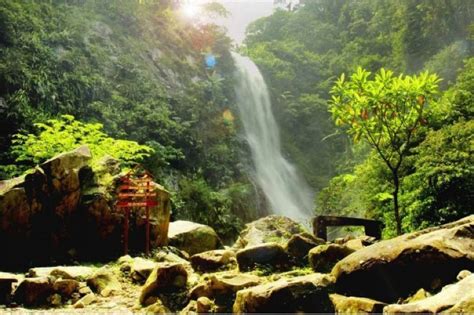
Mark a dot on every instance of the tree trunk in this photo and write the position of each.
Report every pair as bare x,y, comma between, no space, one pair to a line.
396,183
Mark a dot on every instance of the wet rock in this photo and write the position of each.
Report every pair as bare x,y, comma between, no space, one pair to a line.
65,287
395,268
356,305
455,296
268,254
165,277
270,229
300,244
34,291
300,294
212,260
104,282
192,237
85,300
323,257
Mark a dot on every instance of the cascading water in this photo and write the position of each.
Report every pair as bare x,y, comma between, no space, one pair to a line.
287,193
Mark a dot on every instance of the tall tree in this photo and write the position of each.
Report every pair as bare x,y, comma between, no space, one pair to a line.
385,111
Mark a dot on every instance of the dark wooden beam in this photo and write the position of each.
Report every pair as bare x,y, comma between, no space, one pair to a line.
320,224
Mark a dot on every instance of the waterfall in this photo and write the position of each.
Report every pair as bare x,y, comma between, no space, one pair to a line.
287,193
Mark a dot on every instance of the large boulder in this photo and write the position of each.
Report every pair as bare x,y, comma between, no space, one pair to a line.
213,260
64,210
393,269
166,277
323,257
300,294
453,296
192,237
300,244
223,287
34,291
270,229
270,255
104,282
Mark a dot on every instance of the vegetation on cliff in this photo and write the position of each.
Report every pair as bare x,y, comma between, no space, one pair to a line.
302,51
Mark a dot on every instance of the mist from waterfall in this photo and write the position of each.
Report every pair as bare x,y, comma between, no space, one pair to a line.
287,193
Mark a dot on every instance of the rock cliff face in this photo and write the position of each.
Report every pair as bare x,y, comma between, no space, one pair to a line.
64,210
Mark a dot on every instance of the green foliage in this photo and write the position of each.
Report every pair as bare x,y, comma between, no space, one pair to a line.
441,188
135,67
65,134
197,201
385,111
300,52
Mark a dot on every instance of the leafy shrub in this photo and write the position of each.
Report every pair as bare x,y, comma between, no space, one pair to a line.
65,134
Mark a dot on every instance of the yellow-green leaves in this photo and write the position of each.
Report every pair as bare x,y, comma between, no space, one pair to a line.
382,110
65,134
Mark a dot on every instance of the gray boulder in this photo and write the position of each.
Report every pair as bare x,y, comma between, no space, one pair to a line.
164,278
213,260
270,229
300,294
270,255
323,257
192,238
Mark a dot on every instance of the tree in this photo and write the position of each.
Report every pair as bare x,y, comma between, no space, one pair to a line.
385,111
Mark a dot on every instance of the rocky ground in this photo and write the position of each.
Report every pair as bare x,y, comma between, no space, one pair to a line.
275,266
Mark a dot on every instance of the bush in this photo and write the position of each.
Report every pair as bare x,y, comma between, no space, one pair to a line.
65,134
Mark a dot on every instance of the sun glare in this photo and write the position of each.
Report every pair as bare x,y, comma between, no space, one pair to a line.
191,10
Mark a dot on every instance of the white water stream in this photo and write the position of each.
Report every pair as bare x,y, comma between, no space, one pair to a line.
287,193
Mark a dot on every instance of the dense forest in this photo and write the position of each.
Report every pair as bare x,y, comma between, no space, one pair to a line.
129,78
302,52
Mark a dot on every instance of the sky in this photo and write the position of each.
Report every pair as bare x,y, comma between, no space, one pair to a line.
242,13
